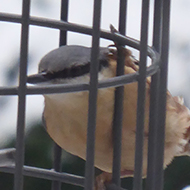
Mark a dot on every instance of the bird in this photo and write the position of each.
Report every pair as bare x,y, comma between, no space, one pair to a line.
65,115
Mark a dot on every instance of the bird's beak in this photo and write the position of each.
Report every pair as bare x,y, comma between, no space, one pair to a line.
37,78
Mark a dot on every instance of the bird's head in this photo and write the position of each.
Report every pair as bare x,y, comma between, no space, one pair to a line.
68,64
71,64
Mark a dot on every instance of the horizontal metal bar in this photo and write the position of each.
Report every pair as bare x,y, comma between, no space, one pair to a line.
68,88
47,174
8,17
9,90
57,24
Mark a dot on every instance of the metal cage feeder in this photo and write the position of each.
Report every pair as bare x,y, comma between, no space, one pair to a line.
157,70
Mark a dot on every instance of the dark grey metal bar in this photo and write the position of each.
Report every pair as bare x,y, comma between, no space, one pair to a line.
64,17
137,182
56,185
93,90
8,90
162,94
118,104
47,174
123,17
154,93
117,123
157,35
19,160
63,88
74,28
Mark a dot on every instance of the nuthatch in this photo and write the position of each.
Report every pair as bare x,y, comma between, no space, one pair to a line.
65,114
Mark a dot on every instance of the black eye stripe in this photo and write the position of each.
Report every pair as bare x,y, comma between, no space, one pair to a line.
73,71
69,72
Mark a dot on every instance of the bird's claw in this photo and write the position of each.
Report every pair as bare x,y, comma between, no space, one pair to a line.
101,180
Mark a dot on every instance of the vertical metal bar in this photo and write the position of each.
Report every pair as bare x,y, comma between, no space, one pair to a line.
93,90
19,160
157,25
123,16
137,183
118,105
154,93
64,17
162,95
56,185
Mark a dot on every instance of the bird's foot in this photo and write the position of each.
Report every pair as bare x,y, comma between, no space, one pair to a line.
101,180
106,178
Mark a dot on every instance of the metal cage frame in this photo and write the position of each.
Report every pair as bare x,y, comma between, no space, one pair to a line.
158,72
